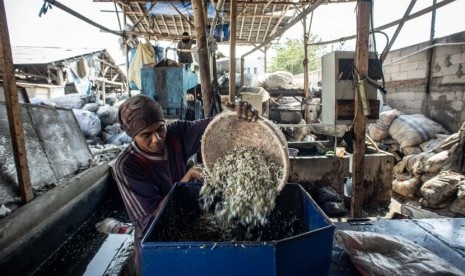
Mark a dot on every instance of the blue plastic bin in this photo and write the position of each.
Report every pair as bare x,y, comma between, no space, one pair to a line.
297,241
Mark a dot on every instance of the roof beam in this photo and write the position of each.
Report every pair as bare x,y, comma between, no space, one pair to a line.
251,24
391,24
144,14
291,23
182,15
269,24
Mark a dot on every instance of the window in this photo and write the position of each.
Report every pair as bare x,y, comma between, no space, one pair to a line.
255,70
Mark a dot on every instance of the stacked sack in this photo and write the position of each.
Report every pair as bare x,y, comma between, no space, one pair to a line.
98,123
424,151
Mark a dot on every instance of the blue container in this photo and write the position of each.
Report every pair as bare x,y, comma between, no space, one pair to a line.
168,86
297,241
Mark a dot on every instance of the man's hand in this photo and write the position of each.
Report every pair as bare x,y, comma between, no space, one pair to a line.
244,110
194,173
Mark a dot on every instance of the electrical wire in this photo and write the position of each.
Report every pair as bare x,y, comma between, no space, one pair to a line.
374,45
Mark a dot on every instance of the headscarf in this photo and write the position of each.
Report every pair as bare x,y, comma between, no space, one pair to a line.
137,113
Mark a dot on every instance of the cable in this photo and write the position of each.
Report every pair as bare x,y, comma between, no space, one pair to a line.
374,45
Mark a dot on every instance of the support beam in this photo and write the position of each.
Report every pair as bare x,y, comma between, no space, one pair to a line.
361,63
429,73
80,16
305,62
205,78
396,33
232,52
145,14
13,111
126,51
391,24
219,6
182,16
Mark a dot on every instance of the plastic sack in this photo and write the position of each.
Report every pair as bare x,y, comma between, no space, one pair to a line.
89,123
378,254
435,162
458,205
108,115
412,130
380,130
75,101
113,134
113,226
440,188
279,80
407,188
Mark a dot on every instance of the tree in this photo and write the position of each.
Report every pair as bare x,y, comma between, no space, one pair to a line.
290,57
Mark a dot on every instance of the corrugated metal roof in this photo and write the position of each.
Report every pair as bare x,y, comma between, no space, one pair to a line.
23,55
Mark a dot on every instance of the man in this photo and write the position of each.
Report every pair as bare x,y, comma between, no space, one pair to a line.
185,44
148,168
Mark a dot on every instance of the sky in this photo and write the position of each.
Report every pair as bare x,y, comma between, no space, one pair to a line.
330,21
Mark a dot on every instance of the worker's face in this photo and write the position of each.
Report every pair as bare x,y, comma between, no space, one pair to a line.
152,138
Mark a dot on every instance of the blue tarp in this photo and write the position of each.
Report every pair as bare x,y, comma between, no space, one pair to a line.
185,7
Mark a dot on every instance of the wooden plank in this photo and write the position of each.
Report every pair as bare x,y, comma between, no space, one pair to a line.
345,110
144,14
361,63
232,52
12,105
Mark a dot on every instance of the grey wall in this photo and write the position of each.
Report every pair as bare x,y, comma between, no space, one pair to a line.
405,73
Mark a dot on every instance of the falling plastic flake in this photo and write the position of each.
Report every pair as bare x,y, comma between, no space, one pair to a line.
242,188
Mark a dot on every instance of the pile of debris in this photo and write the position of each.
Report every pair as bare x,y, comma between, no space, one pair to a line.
98,122
429,160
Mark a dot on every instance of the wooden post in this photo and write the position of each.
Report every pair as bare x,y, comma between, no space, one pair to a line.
126,52
242,71
232,53
104,93
205,79
361,63
429,71
13,110
265,59
305,62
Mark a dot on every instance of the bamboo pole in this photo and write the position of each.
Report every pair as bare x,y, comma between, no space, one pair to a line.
361,63
291,23
232,53
205,78
13,110
305,62
126,52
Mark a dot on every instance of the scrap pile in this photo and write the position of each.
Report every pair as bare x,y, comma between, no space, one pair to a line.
428,160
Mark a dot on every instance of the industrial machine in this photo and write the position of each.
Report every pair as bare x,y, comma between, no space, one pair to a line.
174,88
339,88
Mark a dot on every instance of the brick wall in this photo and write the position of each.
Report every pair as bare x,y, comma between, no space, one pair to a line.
405,72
